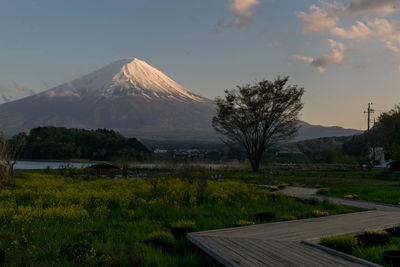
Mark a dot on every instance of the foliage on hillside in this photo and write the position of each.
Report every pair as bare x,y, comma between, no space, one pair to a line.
314,146
63,143
385,133
390,132
357,145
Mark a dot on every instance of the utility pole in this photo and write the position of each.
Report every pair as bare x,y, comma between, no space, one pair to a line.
369,112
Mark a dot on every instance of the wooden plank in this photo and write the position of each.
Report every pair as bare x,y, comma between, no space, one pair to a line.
313,228
281,244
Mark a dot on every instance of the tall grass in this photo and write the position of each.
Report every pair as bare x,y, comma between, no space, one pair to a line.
45,219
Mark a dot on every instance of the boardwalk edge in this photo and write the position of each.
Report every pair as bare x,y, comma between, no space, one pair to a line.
341,254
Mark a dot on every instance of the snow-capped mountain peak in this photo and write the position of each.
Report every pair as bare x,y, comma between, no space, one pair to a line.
126,77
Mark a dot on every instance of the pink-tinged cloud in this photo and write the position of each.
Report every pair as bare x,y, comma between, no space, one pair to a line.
18,87
317,20
242,11
327,18
336,56
242,14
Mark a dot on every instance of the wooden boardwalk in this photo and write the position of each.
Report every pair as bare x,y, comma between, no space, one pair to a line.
294,243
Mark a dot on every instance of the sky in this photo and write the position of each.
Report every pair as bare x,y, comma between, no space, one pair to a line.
345,53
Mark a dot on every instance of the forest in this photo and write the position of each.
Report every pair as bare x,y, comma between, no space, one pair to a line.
63,143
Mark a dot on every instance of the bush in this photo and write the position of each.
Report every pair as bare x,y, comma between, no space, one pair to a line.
180,228
323,191
344,244
319,213
282,186
287,217
184,224
244,223
354,196
312,200
374,237
160,238
273,188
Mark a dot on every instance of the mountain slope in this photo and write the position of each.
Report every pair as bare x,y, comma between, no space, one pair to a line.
128,95
308,131
131,97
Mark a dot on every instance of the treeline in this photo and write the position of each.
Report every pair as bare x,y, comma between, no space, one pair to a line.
385,133
63,143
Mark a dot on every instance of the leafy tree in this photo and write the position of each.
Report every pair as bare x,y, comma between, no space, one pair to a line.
329,155
254,117
9,152
389,136
63,143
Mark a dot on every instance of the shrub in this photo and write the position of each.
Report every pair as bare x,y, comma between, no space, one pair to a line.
244,223
184,224
180,228
323,191
376,232
354,196
287,217
319,213
374,237
273,188
160,238
312,200
282,186
344,244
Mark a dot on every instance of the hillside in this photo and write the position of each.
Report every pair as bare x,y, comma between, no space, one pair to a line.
314,146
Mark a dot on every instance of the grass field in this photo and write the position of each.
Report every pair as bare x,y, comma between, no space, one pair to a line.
312,178
52,220
373,253
379,193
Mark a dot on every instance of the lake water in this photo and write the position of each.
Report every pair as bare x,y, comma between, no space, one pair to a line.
36,165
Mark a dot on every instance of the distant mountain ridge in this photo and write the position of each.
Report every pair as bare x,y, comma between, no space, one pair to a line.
308,131
133,98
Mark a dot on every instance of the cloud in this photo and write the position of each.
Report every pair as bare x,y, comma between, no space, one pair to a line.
336,56
69,83
359,30
317,20
18,87
386,30
3,95
327,17
393,47
242,12
396,50
379,7
303,58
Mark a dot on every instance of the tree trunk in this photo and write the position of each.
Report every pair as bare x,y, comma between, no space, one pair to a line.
255,162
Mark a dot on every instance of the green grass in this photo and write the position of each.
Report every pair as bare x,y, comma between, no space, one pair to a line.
311,178
373,253
43,216
378,193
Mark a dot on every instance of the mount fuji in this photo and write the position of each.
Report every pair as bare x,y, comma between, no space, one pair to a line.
129,96
133,98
